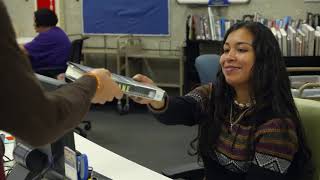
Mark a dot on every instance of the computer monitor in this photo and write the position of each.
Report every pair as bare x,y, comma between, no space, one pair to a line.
48,83
54,151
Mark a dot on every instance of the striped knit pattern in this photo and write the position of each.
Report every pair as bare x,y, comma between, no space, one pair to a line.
277,137
234,144
275,142
275,145
202,95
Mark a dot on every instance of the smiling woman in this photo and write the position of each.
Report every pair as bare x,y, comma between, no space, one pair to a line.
237,61
249,127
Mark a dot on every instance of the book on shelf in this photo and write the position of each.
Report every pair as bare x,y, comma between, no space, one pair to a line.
284,42
299,47
279,39
317,43
126,84
292,33
286,30
212,23
302,37
309,40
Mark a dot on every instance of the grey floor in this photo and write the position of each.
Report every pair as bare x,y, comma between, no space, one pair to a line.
140,137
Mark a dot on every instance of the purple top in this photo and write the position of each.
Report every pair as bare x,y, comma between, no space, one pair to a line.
49,49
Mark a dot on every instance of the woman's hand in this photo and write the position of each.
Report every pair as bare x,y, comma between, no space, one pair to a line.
107,89
146,80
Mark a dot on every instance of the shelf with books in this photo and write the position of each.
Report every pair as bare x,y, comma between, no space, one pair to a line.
298,41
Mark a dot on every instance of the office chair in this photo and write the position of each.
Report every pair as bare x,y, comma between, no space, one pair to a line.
76,50
309,113
74,56
50,84
207,66
52,72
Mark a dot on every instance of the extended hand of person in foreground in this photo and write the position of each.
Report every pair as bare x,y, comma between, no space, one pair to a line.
107,89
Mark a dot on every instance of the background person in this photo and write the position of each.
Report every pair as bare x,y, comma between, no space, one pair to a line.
51,47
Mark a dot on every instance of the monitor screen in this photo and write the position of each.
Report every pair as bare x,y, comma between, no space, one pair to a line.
55,151
46,161
48,83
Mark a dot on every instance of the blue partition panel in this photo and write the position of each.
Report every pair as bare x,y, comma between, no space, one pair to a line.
142,17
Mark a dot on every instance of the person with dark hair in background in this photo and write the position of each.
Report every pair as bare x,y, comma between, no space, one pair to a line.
39,117
51,47
249,127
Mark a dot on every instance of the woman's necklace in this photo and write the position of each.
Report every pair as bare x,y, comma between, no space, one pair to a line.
242,105
238,119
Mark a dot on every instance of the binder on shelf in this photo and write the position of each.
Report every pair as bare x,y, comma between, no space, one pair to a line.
284,42
302,37
212,24
309,40
317,43
292,36
279,39
299,48
127,85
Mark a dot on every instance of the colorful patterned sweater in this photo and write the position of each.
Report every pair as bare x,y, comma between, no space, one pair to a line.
275,141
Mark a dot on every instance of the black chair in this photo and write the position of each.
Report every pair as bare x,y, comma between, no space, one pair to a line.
52,72
50,84
190,171
75,56
207,67
76,50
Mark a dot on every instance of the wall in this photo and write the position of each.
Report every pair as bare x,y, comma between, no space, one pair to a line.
22,17
21,14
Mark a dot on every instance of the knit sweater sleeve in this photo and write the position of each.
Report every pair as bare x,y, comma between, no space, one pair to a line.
276,143
185,110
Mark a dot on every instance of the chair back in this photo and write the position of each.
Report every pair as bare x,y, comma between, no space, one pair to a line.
76,50
207,66
309,111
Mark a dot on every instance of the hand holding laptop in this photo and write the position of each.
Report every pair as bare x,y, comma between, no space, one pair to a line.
146,80
107,89
127,85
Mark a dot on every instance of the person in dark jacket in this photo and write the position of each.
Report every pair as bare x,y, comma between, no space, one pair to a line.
39,117
249,127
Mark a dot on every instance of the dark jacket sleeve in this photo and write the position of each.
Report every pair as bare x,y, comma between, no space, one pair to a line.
26,110
186,110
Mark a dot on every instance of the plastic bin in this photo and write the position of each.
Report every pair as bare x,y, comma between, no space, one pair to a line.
307,87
